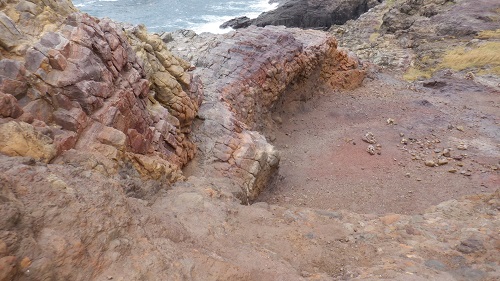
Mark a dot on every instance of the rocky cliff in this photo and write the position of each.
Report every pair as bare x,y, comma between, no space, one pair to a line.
71,85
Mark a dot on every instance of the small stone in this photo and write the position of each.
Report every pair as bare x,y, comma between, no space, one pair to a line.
442,161
390,219
369,138
469,76
460,128
401,134
3,248
452,170
446,152
25,263
430,163
391,121
407,175
462,146
371,150
404,141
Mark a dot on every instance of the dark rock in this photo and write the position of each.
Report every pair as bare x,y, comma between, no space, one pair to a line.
317,14
240,22
470,245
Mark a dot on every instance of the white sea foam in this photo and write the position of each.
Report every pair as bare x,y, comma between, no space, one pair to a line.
213,22
168,15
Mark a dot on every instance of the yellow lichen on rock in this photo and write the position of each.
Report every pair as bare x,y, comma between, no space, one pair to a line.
21,139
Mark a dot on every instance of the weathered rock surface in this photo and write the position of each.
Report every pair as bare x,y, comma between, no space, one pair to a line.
426,37
317,14
93,87
68,222
247,74
98,118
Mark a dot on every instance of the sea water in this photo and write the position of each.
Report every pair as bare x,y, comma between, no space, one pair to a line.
169,15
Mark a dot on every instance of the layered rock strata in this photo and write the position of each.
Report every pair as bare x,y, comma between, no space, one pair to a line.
247,75
72,84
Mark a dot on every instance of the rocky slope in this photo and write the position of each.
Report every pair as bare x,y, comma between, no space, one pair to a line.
98,119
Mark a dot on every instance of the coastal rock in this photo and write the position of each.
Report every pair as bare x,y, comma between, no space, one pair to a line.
247,75
80,76
240,22
317,14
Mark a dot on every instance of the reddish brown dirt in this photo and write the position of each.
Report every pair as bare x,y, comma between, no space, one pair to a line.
325,163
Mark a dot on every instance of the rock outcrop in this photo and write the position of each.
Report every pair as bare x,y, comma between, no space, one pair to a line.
316,14
247,75
425,37
85,85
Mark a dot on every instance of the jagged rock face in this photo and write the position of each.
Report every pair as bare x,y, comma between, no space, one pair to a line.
89,86
246,75
320,14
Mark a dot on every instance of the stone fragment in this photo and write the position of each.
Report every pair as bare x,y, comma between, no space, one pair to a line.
442,161
470,245
9,106
369,138
113,137
10,36
430,163
371,150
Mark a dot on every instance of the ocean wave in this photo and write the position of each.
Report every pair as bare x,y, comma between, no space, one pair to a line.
177,14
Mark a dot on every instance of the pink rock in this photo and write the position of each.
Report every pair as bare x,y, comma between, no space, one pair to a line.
57,60
9,106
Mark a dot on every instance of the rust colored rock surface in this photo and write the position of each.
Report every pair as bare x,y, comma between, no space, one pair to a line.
248,74
78,75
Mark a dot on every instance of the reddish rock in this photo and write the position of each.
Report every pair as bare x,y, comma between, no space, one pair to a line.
9,106
8,268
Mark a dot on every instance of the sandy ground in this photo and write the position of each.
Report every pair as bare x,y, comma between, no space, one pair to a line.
325,163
